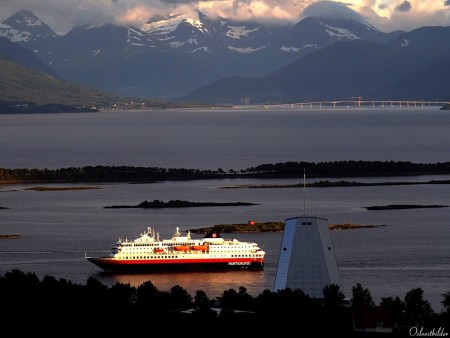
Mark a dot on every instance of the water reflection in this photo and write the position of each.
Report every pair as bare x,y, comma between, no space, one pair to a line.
212,283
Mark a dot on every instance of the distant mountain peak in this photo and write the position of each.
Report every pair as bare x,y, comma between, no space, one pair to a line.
332,10
27,18
24,27
163,25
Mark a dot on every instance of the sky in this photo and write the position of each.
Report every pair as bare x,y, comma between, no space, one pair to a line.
385,15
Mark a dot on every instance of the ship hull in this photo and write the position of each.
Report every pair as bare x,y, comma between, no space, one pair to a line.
115,265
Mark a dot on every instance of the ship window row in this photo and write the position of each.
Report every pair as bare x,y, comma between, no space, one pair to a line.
225,250
138,244
145,252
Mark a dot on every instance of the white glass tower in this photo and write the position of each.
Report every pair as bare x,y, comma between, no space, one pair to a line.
307,260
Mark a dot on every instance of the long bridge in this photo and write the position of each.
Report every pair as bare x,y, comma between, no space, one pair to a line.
356,103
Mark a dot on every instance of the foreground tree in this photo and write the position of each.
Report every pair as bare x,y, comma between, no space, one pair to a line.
417,310
446,302
396,306
333,297
361,297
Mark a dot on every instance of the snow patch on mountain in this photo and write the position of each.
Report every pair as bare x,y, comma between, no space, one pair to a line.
297,49
197,24
202,49
160,28
176,44
134,31
136,37
192,41
341,33
236,32
246,50
163,25
89,27
14,35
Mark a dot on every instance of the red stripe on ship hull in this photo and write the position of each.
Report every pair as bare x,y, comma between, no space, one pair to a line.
176,261
111,264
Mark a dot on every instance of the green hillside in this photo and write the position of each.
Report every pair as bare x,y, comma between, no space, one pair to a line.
25,90
20,84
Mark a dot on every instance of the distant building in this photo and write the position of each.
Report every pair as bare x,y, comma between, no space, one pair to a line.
307,260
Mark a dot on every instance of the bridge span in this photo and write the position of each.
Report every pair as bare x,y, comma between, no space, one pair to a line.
361,103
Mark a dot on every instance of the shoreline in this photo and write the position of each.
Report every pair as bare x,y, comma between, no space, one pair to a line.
337,169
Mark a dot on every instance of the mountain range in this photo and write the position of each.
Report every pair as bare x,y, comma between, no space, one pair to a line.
218,60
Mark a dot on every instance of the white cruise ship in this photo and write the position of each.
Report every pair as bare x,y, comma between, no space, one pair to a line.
181,253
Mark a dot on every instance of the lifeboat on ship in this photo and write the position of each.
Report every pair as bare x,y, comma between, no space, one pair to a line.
181,248
200,247
158,250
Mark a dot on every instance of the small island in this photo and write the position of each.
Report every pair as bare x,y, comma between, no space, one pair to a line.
59,188
157,204
332,184
10,236
253,226
403,206
347,226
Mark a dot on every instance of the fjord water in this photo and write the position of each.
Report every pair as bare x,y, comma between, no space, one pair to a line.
59,227
227,139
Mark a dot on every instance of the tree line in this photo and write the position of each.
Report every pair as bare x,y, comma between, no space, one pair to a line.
49,300
279,170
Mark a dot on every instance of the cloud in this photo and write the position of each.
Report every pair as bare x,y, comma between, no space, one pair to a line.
411,14
405,6
331,9
179,1
386,15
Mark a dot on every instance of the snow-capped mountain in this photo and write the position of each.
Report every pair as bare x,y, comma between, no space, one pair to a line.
125,61
227,45
25,27
254,49
94,42
311,34
211,35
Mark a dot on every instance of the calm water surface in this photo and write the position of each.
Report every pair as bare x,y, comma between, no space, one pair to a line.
227,139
